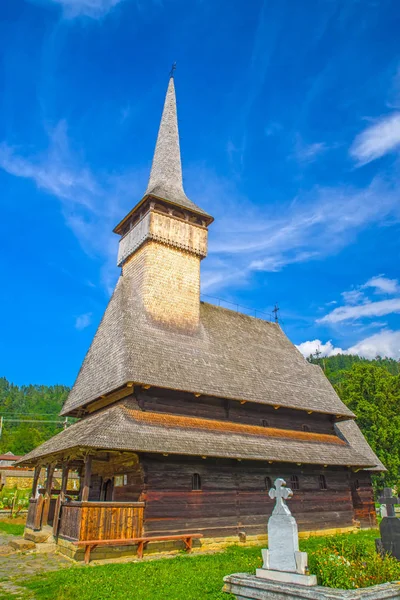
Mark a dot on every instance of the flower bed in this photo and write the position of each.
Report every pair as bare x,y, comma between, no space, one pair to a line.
350,561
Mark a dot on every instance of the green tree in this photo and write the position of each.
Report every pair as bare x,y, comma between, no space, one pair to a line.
373,394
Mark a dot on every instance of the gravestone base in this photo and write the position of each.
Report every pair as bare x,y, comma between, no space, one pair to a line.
286,577
248,587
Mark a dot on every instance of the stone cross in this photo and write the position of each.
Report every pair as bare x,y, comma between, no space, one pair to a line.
281,493
389,501
283,561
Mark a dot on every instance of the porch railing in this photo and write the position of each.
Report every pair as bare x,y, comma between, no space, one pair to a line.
80,521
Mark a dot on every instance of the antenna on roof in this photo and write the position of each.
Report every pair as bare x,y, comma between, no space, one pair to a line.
173,69
276,311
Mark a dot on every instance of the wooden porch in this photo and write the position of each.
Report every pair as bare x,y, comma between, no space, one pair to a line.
81,521
86,517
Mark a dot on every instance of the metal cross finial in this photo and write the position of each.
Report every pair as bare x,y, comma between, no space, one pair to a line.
173,68
281,493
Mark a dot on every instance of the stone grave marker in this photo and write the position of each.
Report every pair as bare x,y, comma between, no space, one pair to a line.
283,561
389,541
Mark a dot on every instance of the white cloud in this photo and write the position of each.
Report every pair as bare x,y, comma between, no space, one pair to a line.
311,347
88,8
359,311
384,343
358,306
353,296
83,321
383,285
377,140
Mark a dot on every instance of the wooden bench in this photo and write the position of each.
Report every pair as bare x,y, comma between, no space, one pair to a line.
141,542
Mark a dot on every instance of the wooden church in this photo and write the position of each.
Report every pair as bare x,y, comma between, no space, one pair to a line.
189,411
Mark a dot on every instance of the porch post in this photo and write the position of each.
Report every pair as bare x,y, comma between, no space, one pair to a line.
86,480
47,494
35,482
60,499
64,480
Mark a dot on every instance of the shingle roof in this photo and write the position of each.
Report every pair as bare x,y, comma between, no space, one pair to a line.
350,432
231,356
124,426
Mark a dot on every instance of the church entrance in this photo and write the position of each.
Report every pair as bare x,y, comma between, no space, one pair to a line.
106,491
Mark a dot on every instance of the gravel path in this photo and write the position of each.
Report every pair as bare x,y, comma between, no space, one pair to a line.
17,566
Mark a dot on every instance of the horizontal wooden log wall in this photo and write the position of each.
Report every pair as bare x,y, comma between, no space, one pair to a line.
363,499
101,520
233,497
180,403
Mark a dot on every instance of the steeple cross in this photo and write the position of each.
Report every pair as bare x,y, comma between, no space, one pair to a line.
281,493
173,69
389,501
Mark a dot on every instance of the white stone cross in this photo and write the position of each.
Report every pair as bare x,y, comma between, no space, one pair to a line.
281,493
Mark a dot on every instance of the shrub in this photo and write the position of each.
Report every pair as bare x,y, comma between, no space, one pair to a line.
351,561
14,500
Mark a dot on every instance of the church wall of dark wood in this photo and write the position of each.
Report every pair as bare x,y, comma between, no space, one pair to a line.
250,413
363,499
233,496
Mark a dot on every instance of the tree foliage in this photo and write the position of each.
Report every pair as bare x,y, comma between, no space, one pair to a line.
371,389
37,403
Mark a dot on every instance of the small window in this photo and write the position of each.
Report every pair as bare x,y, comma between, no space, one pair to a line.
294,482
120,480
322,482
268,483
265,423
305,428
196,482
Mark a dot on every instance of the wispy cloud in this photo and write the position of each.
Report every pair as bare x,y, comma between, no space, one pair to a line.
383,343
383,285
88,8
358,306
91,205
353,296
360,311
83,321
377,140
308,153
249,238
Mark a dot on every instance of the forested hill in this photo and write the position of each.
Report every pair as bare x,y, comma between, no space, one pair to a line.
370,388
28,413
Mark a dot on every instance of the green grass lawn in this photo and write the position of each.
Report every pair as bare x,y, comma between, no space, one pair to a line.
199,577
12,528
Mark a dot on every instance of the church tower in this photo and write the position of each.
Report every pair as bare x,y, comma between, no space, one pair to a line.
164,237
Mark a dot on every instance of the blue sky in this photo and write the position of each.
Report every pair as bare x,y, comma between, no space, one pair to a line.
289,118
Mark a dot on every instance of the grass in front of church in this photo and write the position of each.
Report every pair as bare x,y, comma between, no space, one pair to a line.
13,526
341,561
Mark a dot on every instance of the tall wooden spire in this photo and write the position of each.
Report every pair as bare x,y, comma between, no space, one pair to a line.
166,171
